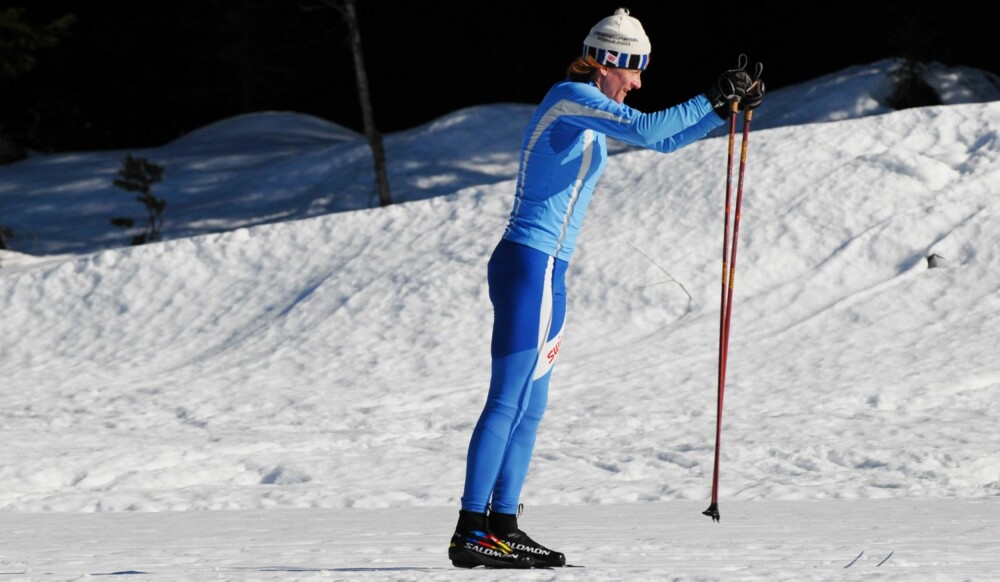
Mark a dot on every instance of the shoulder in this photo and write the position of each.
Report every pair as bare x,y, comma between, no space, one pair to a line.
571,96
570,89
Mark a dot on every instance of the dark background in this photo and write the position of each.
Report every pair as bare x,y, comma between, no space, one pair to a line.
141,73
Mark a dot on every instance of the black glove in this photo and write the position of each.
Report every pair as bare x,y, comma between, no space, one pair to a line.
754,96
730,85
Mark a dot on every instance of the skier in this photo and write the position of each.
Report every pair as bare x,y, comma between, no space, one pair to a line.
563,154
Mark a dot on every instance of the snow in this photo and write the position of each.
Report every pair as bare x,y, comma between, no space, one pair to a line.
284,388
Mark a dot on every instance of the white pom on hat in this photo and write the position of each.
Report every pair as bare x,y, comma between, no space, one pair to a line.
618,41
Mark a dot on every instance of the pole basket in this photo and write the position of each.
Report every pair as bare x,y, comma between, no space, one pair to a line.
712,511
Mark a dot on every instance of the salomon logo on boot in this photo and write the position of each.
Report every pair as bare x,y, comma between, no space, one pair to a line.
479,548
519,541
504,527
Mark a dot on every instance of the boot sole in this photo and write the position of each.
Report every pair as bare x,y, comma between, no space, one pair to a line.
466,559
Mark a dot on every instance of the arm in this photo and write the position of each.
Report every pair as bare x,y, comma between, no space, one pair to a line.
688,135
680,125
585,107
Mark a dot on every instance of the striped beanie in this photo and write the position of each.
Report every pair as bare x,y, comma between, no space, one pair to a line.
618,41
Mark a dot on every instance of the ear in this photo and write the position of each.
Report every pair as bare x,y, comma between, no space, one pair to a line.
604,72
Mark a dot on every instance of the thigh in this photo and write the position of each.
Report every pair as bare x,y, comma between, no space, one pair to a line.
521,292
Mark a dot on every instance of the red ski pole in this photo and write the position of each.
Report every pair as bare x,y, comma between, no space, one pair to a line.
728,282
713,509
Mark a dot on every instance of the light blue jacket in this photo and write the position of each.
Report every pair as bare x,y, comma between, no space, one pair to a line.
564,153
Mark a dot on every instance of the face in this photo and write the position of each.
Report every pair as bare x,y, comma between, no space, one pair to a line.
616,83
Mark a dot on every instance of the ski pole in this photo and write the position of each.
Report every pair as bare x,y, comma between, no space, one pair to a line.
729,278
713,509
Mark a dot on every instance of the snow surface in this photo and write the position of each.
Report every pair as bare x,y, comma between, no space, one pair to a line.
284,389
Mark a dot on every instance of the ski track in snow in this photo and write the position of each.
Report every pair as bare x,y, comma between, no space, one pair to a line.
753,541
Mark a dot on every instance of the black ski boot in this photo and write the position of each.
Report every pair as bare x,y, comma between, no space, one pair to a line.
473,545
504,526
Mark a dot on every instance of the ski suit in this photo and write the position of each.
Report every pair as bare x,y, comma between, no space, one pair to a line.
563,154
